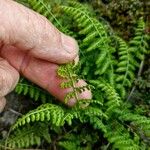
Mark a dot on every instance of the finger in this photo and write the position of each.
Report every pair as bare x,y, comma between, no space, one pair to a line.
31,32
8,77
2,103
43,73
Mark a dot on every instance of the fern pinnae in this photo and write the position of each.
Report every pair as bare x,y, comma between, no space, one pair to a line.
120,137
32,91
114,100
138,44
28,136
137,120
67,73
79,5
73,85
125,68
45,112
67,145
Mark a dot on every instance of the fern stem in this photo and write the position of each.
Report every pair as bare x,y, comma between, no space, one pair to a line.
52,15
6,141
15,112
141,68
47,9
138,75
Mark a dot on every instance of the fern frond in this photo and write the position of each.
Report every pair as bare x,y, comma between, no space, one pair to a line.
68,145
90,102
46,112
113,99
28,136
96,38
81,140
76,4
125,68
97,123
67,72
141,122
139,45
86,114
92,111
120,137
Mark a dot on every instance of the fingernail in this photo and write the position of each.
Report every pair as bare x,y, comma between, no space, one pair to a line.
2,104
69,44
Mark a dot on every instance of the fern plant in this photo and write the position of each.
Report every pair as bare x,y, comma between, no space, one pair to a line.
110,65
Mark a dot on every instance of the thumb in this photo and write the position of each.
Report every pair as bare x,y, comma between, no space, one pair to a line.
26,30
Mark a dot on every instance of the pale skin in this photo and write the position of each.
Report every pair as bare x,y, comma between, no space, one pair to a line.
31,46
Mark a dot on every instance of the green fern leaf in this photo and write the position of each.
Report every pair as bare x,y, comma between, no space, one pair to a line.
46,112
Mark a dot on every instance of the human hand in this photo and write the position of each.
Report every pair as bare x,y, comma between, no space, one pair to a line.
32,46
